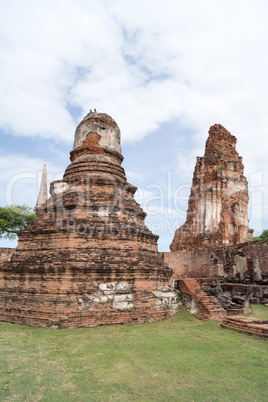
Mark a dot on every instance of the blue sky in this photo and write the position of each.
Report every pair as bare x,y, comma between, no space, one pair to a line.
164,70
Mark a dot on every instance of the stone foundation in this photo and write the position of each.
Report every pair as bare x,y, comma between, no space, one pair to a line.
72,319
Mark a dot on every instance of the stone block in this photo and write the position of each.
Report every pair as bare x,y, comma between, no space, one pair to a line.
193,308
220,271
107,287
108,292
59,187
259,292
84,302
120,305
254,300
241,265
122,287
162,307
165,295
123,297
246,307
100,299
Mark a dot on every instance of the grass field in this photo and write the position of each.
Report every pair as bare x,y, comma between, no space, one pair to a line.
181,359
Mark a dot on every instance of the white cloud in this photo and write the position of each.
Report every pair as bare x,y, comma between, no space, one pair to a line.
21,178
144,63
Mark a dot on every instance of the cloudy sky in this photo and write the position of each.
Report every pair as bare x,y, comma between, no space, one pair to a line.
165,70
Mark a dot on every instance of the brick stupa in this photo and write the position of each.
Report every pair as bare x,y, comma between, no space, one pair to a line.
89,259
218,205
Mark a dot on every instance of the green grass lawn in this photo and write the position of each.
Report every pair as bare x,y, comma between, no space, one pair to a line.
259,311
181,359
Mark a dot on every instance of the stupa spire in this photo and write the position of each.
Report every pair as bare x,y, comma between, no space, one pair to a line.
42,196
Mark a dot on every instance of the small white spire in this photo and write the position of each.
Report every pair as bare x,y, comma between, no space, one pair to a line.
42,196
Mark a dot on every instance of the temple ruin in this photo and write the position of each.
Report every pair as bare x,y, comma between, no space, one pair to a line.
88,259
218,204
214,258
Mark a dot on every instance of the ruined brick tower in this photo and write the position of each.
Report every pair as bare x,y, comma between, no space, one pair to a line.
89,259
218,204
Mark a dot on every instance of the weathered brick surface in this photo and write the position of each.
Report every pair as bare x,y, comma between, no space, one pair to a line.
250,325
221,262
189,264
208,308
90,232
255,254
70,319
217,209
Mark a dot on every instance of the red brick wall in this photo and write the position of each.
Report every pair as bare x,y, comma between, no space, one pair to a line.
189,264
205,263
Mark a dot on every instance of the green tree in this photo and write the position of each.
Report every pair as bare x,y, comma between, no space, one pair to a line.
264,235
14,218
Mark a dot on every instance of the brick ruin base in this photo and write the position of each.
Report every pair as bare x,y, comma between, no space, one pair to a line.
234,276
245,262
81,306
73,288
249,325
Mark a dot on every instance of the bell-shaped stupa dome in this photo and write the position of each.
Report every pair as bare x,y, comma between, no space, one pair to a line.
99,130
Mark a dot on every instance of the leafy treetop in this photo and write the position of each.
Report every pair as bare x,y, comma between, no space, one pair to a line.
264,235
14,218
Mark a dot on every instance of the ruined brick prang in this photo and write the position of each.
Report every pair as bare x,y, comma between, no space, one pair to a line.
218,205
89,259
